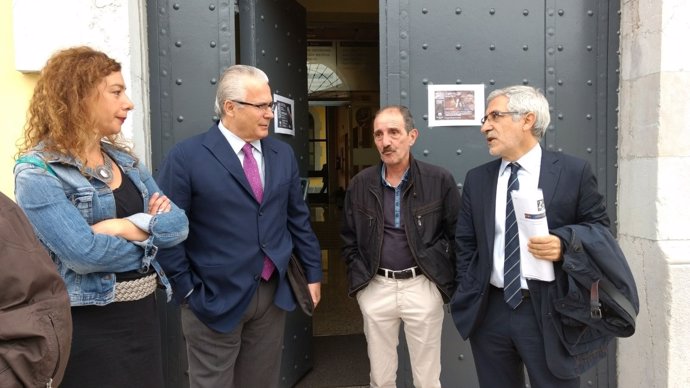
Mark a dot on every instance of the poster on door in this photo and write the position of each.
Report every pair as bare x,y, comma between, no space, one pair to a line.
283,119
455,105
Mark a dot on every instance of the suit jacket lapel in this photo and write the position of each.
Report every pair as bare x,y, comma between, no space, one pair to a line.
219,147
270,167
489,199
549,175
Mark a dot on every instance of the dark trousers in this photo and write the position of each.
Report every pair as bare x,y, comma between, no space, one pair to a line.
506,341
248,356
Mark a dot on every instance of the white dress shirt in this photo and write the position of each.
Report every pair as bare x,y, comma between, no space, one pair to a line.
528,175
236,143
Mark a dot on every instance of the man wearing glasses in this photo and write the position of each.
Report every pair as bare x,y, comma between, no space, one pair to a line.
495,305
242,194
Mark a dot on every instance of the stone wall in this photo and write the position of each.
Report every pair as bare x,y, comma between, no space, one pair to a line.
654,189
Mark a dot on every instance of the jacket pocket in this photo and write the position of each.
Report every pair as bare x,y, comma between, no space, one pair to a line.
49,365
83,201
36,357
366,228
570,315
427,221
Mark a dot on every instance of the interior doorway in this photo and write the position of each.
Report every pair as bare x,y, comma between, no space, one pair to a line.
343,85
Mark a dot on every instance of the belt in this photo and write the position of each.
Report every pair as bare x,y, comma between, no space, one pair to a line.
402,274
525,292
132,290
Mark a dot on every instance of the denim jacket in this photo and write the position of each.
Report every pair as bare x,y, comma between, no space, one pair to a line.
61,204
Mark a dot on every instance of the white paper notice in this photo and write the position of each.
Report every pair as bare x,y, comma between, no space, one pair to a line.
531,219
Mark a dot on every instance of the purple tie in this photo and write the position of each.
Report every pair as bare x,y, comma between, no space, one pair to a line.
251,170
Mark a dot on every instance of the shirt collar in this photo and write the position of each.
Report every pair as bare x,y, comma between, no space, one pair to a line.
235,142
383,175
529,162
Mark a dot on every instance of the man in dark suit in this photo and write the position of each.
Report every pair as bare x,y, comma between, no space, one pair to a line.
241,192
495,306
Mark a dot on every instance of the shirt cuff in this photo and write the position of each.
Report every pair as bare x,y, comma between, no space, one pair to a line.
141,221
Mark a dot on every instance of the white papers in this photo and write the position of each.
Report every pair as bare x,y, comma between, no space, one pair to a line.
531,219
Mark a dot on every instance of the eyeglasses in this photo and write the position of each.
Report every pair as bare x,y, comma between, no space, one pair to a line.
263,107
493,116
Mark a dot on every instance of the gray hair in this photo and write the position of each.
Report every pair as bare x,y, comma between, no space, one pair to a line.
404,112
232,84
525,99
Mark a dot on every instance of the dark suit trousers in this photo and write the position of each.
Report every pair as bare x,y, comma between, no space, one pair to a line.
506,340
248,356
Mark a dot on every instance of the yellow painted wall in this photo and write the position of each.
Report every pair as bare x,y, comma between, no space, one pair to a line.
15,92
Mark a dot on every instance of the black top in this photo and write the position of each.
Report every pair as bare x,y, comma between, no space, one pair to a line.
128,201
128,198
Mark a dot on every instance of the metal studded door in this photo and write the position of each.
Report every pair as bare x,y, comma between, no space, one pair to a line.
272,36
185,60
568,48
190,43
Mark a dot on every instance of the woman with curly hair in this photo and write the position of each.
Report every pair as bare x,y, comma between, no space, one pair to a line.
101,216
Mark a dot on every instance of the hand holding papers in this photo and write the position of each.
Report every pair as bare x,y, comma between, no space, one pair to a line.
531,219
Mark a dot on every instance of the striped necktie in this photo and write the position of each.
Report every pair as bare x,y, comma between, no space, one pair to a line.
511,267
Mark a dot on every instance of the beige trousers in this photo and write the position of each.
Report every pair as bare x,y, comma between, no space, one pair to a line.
416,302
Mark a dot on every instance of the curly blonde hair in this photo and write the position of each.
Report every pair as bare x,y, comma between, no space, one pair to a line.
60,112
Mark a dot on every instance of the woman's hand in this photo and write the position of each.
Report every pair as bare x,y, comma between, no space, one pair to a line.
159,204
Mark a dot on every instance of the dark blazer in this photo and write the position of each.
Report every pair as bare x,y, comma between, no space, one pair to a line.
576,328
594,261
570,196
229,231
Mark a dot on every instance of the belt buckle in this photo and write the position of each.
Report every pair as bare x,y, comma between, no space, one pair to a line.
387,273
